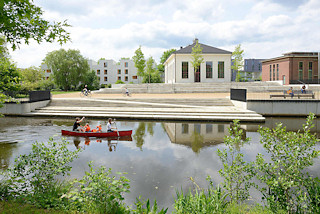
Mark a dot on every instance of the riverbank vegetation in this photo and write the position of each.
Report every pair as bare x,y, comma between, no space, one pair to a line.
34,181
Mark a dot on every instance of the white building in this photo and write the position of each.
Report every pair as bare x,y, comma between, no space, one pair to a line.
216,66
109,71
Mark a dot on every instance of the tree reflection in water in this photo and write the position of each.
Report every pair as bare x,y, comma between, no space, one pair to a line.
196,142
140,133
6,151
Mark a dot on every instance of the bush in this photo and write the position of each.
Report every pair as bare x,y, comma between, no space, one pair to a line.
119,82
33,176
102,86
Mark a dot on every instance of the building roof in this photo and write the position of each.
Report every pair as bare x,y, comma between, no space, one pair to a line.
293,54
206,49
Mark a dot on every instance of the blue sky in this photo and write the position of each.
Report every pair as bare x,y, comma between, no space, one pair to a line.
115,28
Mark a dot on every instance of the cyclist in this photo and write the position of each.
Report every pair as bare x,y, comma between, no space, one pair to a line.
85,90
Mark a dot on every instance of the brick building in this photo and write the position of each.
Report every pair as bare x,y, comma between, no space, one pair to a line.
292,68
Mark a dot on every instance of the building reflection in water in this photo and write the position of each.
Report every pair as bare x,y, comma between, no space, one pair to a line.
197,135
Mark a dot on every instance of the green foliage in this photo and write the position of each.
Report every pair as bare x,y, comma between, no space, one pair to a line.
3,47
119,82
197,58
236,208
9,76
212,200
143,206
313,189
151,75
33,78
99,192
91,80
284,174
139,61
163,58
33,176
237,55
69,68
22,20
237,173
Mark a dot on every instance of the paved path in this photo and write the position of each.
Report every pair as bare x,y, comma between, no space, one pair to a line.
174,107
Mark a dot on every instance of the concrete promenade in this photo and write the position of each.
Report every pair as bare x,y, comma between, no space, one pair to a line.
174,107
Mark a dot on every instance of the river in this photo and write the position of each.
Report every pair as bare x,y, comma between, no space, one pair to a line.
160,157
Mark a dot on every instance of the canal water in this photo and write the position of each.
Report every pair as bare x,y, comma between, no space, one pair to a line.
159,157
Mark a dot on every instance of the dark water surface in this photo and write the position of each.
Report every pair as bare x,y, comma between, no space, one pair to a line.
159,157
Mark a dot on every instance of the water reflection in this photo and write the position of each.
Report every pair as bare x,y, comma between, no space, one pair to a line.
196,136
112,142
140,133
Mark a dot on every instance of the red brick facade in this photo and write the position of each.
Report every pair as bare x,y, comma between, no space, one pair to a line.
290,67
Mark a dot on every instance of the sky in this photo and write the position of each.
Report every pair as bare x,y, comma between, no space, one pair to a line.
113,29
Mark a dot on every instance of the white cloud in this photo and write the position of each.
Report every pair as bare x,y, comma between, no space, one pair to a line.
115,28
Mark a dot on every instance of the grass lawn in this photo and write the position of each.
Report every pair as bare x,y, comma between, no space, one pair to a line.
17,208
63,92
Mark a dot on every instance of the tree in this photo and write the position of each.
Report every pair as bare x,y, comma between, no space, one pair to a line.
9,76
22,21
92,80
33,78
139,61
237,66
69,68
196,56
151,75
163,58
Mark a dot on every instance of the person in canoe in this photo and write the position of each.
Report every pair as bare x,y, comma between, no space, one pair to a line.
77,123
86,128
109,127
97,129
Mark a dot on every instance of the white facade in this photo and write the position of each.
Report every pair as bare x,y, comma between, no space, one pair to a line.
221,59
109,71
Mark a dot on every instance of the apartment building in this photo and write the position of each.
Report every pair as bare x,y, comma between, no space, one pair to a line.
109,71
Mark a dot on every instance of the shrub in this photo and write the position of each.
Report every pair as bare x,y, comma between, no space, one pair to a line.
33,176
98,191
119,82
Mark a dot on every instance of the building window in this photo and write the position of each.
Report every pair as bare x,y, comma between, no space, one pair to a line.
119,71
126,64
209,128
98,71
300,70
270,73
220,128
185,70
277,71
274,72
119,78
126,71
184,128
220,69
310,70
126,78
105,72
48,71
105,64
259,66
197,128
208,69
47,77
105,79
134,77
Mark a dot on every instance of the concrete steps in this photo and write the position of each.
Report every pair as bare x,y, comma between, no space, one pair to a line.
138,110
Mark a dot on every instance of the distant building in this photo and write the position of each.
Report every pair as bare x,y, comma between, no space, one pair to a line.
215,68
109,71
252,70
292,68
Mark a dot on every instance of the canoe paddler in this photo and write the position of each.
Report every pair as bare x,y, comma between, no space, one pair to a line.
77,123
109,128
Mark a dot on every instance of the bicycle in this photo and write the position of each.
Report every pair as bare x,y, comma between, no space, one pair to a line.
85,93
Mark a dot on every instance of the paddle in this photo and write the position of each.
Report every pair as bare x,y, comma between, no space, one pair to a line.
114,120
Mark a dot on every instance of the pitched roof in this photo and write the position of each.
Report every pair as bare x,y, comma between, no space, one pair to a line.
206,49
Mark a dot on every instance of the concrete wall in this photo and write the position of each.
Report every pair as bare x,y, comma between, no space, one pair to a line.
284,107
22,108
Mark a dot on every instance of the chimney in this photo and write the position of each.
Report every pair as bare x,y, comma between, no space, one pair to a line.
195,40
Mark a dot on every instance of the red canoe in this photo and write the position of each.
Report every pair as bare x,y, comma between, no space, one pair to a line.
97,134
